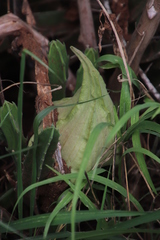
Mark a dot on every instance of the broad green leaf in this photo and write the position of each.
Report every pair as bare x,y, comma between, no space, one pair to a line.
75,123
92,54
58,61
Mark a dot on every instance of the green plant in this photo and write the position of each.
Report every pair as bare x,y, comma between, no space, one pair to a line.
63,220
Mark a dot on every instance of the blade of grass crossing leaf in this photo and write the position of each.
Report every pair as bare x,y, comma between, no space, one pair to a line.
142,126
87,153
10,229
105,191
143,151
19,159
140,158
41,62
16,152
117,187
84,199
127,116
112,234
71,176
64,217
64,201
98,227
146,218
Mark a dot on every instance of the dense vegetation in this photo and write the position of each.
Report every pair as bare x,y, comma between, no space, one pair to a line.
79,120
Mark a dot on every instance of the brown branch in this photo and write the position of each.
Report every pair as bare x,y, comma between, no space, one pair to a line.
26,37
26,10
10,24
143,33
87,33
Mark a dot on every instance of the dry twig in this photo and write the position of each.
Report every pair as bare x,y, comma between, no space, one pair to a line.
87,33
120,47
149,85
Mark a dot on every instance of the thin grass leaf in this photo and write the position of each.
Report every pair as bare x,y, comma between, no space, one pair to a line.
142,126
143,151
41,62
140,158
64,217
58,235
84,199
24,150
87,153
111,234
127,116
146,218
8,228
19,157
71,176
101,234
64,201
99,223
117,187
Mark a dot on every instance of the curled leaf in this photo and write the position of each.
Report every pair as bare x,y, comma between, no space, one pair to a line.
75,123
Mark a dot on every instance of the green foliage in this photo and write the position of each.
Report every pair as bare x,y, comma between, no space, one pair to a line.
58,62
9,125
125,105
90,124
125,99
47,144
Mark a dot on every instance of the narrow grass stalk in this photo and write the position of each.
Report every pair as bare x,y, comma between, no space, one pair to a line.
19,155
87,153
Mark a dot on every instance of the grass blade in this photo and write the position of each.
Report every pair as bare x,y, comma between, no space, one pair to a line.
87,153
19,156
